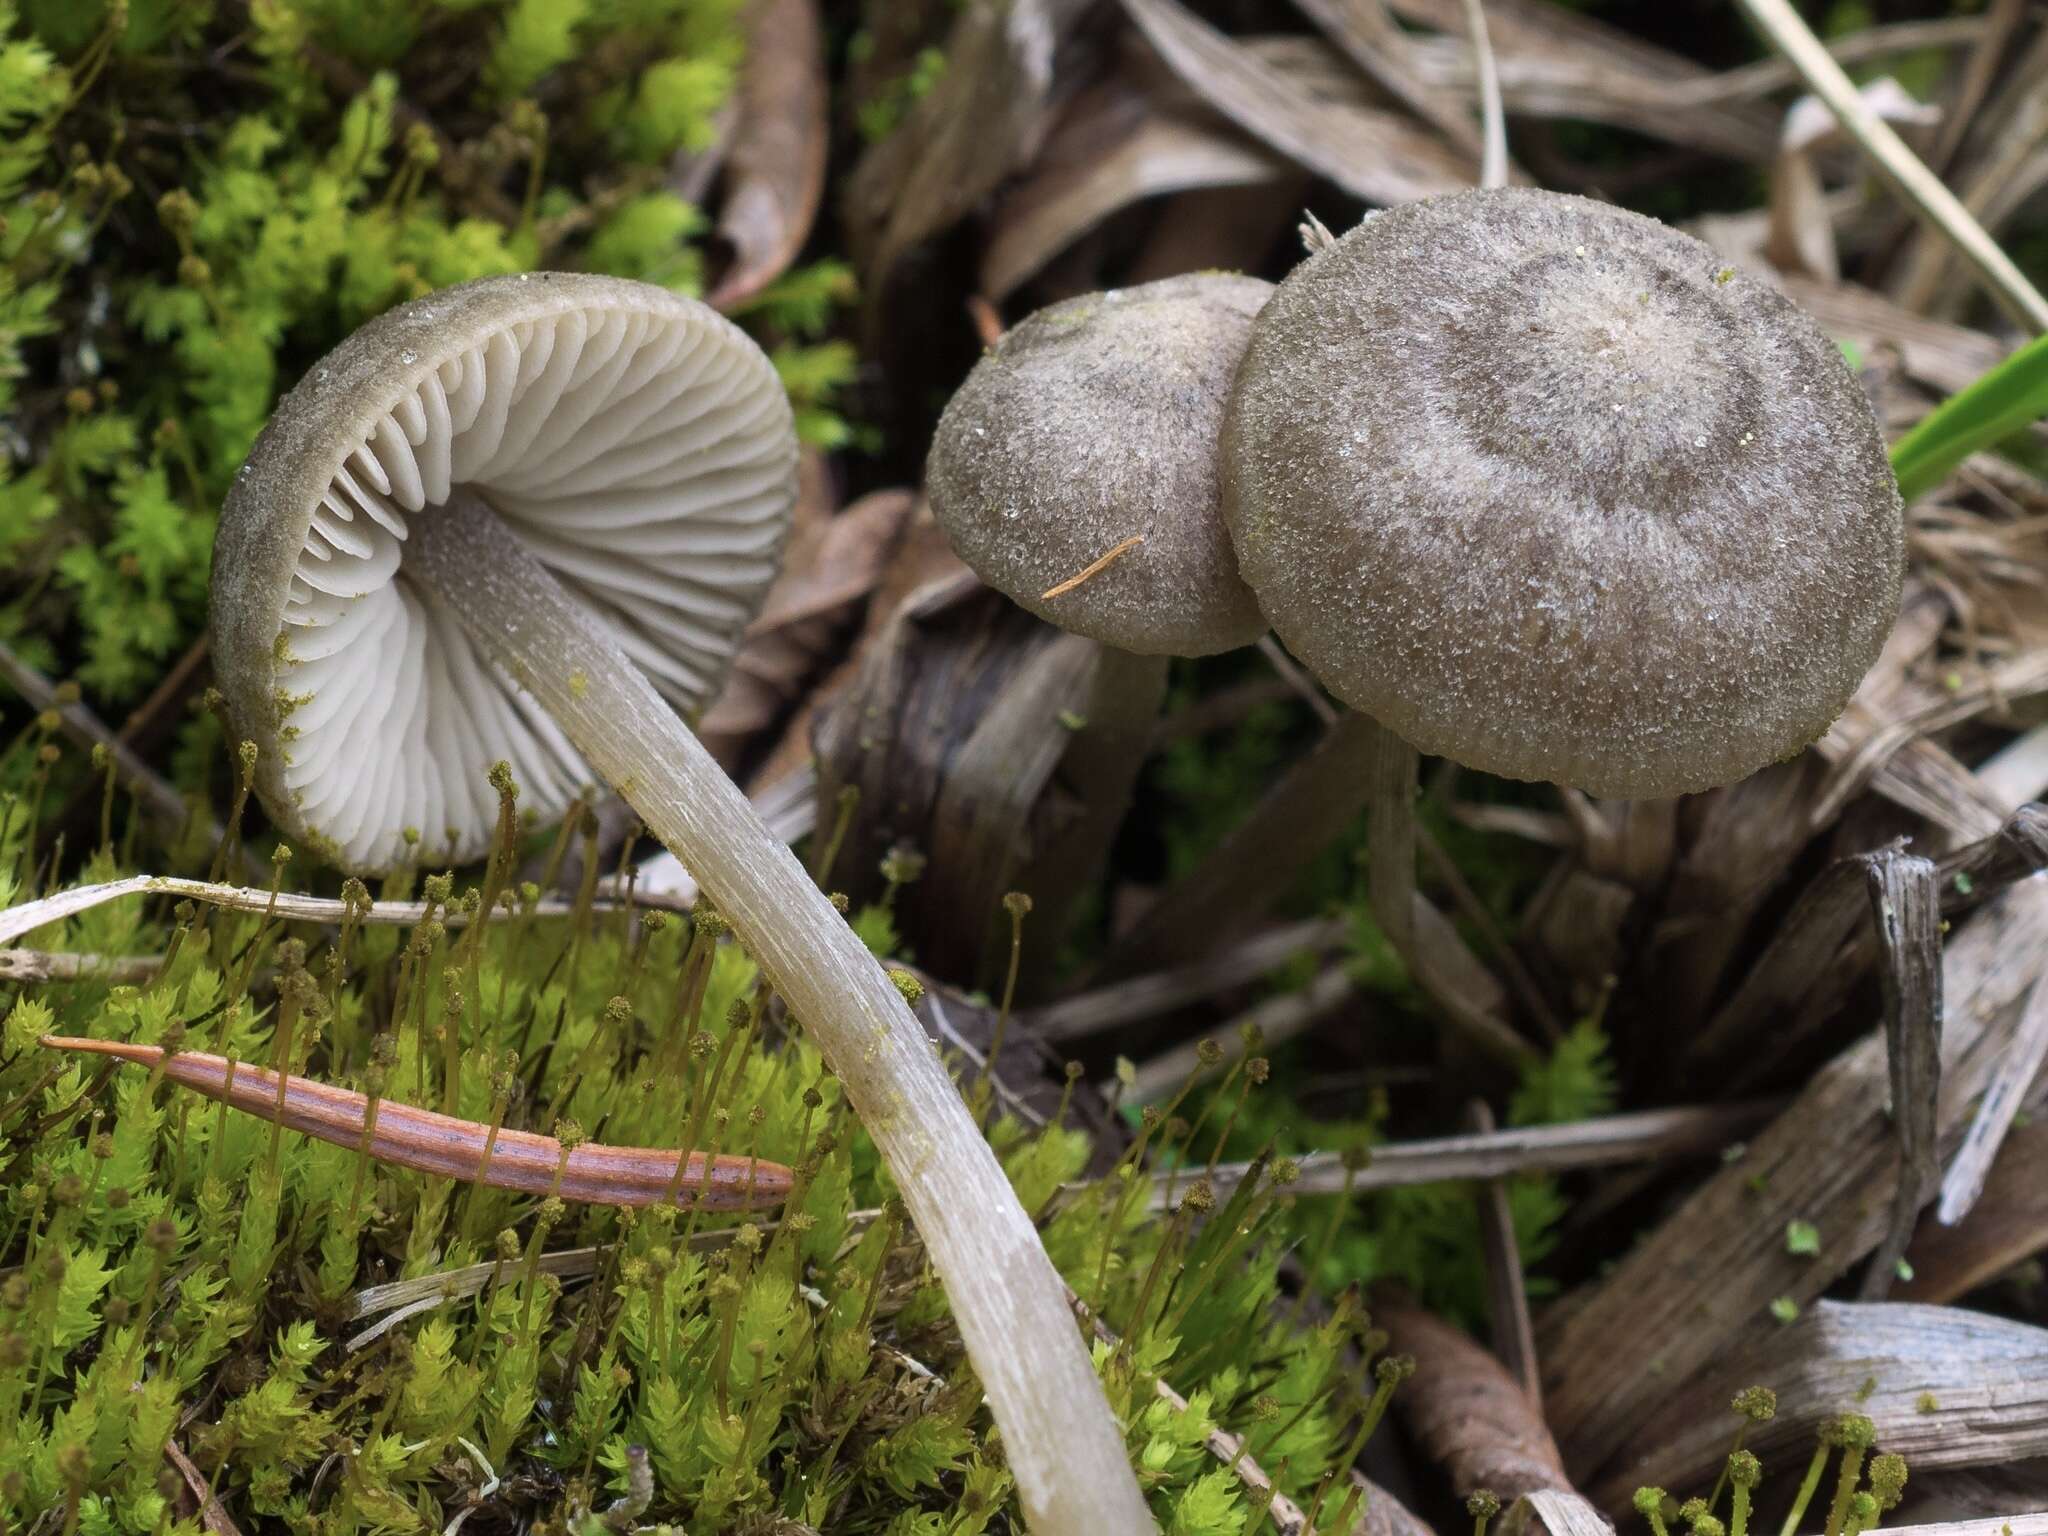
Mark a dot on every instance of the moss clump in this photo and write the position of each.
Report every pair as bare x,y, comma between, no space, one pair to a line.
198,201
183,1282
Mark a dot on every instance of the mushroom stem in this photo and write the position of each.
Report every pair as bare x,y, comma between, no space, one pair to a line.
1391,781
1264,854
1063,1444
1098,771
1358,766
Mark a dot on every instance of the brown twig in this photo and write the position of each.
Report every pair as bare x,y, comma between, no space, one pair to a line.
41,965
1514,1335
1536,1149
1094,568
461,1149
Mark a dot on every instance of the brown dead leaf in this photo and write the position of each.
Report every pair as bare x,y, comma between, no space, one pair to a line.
211,1515
1380,157
1369,36
920,556
1945,1387
777,166
833,563
1469,1413
981,122
1941,356
1113,146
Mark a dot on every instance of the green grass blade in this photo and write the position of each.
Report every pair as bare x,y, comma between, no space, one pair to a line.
2004,400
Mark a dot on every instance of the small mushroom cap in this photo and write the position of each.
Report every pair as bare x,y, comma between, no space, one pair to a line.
1094,420
638,442
1546,488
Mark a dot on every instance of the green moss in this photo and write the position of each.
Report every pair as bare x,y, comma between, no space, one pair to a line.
179,240
184,1274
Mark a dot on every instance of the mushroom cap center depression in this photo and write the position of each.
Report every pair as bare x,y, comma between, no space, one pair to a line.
639,446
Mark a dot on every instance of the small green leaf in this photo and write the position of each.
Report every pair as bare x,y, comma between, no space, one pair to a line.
1802,1238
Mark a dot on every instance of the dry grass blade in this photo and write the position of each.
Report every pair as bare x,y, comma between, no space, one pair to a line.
1372,40
1986,1378
1469,1412
1372,155
2007,1224
1995,181
1558,63
1703,1282
1653,1133
777,167
1277,1020
1493,159
1157,992
461,1149
1560,1511
31,915
1972,1164
1907,910
1920,187
2035,1524
1114,146
1802,973
566,1263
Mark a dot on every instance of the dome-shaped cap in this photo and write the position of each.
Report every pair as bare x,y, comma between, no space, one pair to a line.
1546,488
1095,420
639,444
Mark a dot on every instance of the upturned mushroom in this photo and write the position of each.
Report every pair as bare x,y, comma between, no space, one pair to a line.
1546,488
463,537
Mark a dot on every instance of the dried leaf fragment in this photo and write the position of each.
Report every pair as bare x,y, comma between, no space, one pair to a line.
442,1144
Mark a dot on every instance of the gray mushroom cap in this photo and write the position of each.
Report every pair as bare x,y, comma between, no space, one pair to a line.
639,443
1546,488
1094,420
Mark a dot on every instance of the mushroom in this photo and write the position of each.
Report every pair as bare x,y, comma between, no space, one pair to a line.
1092,424
1075,471
1541,486
462,537
1544,487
